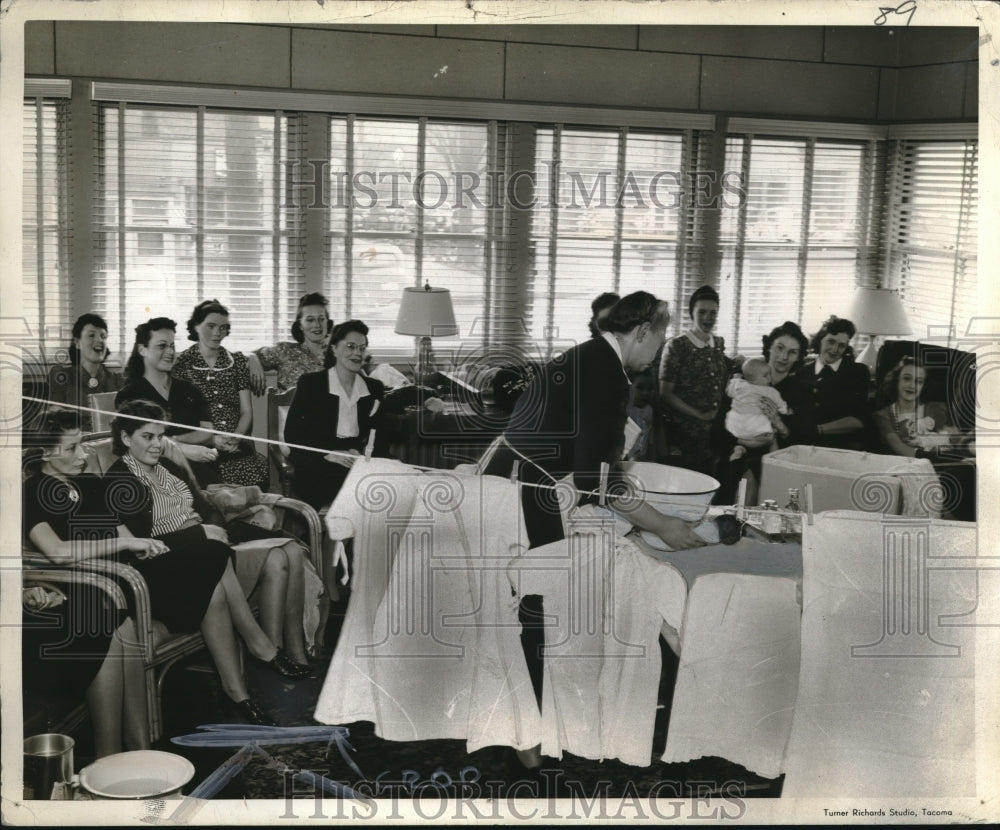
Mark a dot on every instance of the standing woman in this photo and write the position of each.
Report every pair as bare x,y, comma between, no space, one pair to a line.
224,380
311,332
694,372
86,375
332,410
148,377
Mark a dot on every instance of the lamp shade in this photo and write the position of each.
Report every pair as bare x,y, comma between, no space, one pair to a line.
426,312
878,311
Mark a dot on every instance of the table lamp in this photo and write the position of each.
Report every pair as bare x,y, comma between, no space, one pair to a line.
425,313
877,312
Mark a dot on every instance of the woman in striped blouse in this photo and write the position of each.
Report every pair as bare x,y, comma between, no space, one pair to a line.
152,502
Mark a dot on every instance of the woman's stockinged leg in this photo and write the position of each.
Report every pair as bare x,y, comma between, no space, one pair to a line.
259,644
217,629
135,717
105,695
295,603
273,587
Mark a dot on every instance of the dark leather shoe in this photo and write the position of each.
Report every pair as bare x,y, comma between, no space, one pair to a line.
286,666
253,713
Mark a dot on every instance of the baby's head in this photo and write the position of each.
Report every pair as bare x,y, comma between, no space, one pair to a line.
643,388
757,371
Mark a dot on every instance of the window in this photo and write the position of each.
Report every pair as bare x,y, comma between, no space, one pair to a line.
932,233
45,226
191,205
798,246
411,202
613,212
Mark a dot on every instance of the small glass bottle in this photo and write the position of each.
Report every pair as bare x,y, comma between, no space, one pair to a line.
792,520
771,518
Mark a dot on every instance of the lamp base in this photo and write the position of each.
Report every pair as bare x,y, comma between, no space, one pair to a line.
424,369
869,354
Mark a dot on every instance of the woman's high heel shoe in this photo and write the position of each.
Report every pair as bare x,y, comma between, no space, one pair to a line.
252,713
285,665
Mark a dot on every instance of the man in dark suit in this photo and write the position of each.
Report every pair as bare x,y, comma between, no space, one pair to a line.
572,416
569,420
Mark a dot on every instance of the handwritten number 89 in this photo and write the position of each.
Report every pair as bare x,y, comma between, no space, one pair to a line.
907,8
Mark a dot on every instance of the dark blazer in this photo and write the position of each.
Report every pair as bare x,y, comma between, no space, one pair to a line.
829,396
569,419
312,422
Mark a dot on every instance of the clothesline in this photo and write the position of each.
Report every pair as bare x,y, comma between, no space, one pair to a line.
600,492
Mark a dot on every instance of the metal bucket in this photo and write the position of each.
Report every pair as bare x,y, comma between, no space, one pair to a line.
48,759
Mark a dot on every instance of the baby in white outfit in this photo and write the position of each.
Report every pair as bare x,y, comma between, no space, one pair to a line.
746,419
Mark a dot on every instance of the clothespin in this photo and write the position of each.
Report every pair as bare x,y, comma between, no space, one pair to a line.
370,446
741,498
809,503
515,471
603,497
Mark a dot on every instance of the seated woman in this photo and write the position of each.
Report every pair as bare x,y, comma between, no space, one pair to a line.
784,348
71,517
191,520
73,639
311,332
223,379
835,392
86,374
148,377
910,427
333,411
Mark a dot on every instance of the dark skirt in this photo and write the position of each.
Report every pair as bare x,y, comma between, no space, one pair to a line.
182,581
64,647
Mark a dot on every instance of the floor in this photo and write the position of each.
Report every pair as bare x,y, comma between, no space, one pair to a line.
393,769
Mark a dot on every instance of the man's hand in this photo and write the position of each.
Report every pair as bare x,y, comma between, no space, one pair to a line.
677,533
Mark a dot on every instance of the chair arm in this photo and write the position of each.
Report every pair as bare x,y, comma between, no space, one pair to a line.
140,591
311,518
34,573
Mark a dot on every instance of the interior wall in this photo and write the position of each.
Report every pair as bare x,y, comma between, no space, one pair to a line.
853,74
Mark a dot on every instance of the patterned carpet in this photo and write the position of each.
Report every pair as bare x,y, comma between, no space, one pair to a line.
438,768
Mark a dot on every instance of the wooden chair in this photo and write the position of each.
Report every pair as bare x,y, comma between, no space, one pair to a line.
105,402
53,716
282,470
160,649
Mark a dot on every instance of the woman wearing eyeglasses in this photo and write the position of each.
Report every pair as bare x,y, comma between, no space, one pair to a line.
333,410
224,380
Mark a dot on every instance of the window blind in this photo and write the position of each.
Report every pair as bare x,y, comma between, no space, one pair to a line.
799,244
45,228
190,205
613,212
932,233
412,201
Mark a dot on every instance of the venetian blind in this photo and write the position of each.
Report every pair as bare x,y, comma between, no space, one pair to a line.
45,230
614,211
191,204
799,244
932,233
412,201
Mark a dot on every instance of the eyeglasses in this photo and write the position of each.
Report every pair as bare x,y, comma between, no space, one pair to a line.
360,348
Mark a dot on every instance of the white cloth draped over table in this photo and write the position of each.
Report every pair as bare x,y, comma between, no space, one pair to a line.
430,646
738,673
886,698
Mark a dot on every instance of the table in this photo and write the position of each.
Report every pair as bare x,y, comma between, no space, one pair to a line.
459,434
